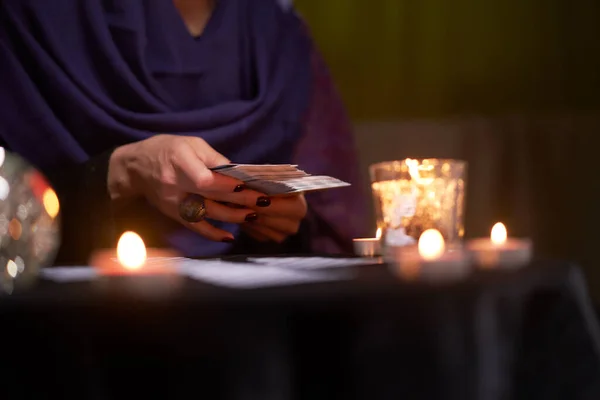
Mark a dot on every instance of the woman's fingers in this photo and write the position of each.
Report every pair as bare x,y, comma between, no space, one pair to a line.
293,207
191,159
170,206
194,176
182,165
286,226
209,156
245,198
254,234
265,231
224,213
209,231
261,227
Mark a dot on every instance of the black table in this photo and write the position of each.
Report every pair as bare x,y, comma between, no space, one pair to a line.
523,334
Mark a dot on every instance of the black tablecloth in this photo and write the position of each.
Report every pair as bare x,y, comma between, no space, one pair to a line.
523,334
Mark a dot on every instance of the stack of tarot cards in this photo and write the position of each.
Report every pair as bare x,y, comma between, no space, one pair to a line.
278,179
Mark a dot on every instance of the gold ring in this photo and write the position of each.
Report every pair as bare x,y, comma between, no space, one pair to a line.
192,208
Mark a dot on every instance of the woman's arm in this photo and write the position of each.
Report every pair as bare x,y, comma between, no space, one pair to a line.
86,209
328,148
99,196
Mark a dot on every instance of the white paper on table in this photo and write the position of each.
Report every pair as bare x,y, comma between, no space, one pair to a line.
69,274
249,275
311,263
275,271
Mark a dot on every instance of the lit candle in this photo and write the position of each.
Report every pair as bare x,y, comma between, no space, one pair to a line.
368,247
132,258
431,245
499,250
413,195
429,259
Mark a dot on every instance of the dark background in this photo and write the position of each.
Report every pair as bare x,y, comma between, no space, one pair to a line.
511,86
431,58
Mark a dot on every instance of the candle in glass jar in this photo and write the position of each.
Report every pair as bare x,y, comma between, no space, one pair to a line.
368,247
132,258
413,195
500,251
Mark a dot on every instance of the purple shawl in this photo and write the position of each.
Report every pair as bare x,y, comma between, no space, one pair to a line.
79,77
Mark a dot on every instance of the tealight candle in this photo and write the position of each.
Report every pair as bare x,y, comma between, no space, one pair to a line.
132,258
499,250
368,247
429,259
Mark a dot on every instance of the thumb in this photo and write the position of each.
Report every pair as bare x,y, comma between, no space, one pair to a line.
209,156
216,159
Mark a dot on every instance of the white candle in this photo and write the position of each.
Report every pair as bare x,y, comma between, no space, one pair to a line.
429,259
499,250
132,258
368,247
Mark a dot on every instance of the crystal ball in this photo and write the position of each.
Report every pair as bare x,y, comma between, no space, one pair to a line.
29,222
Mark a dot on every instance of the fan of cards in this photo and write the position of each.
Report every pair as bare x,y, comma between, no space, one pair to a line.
278,179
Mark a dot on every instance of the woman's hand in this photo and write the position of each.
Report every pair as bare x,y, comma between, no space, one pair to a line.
278,221
167,168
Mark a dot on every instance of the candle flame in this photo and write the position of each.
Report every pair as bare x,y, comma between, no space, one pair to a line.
378,234
431,244
51,203
414,170
499,234
131,251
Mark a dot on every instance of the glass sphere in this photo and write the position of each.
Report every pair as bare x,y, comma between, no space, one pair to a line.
29,222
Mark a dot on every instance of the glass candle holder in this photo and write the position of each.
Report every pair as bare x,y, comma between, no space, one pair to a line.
412,196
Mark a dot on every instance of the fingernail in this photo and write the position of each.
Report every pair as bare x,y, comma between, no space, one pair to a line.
251,217
228,240
263,202
239,188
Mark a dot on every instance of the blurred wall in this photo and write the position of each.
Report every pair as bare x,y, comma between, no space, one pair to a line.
407,58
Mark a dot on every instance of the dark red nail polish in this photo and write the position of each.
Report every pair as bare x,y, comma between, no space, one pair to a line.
228,240
239,188
251,217
263,202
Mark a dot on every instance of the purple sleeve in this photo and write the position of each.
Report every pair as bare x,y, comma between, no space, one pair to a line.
327,147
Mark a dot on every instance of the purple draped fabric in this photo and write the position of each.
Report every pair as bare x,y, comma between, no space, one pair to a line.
80,77
327,147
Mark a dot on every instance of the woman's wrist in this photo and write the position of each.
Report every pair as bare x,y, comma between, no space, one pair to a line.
119,181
